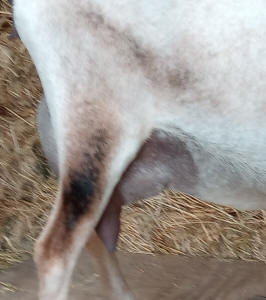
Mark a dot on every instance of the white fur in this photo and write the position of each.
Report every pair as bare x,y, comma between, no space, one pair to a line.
217,47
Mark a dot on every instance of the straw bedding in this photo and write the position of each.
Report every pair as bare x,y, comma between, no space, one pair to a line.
168,223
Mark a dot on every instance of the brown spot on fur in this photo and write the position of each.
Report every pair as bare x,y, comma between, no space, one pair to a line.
79,193
83,184
133,55
57,241
82,187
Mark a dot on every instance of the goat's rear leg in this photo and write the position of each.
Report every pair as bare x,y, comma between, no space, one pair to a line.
106,265
92,166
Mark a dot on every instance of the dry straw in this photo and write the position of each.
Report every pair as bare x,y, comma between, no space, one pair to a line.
168,223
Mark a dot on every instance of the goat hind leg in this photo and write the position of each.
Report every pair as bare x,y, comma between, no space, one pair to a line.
106,265
89,179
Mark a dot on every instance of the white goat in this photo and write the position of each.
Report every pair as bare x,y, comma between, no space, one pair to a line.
139,96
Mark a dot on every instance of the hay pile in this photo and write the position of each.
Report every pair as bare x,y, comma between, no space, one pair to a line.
168,223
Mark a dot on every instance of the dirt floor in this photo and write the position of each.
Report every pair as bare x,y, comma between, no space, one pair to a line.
153,277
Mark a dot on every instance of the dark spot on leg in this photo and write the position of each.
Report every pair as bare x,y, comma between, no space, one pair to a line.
83,184
81,188
78,196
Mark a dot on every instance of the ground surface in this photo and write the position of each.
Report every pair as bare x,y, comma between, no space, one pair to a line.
164,277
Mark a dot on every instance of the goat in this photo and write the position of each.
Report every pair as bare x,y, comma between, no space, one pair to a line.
140,96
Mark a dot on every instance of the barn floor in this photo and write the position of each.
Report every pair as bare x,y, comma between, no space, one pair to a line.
162,277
